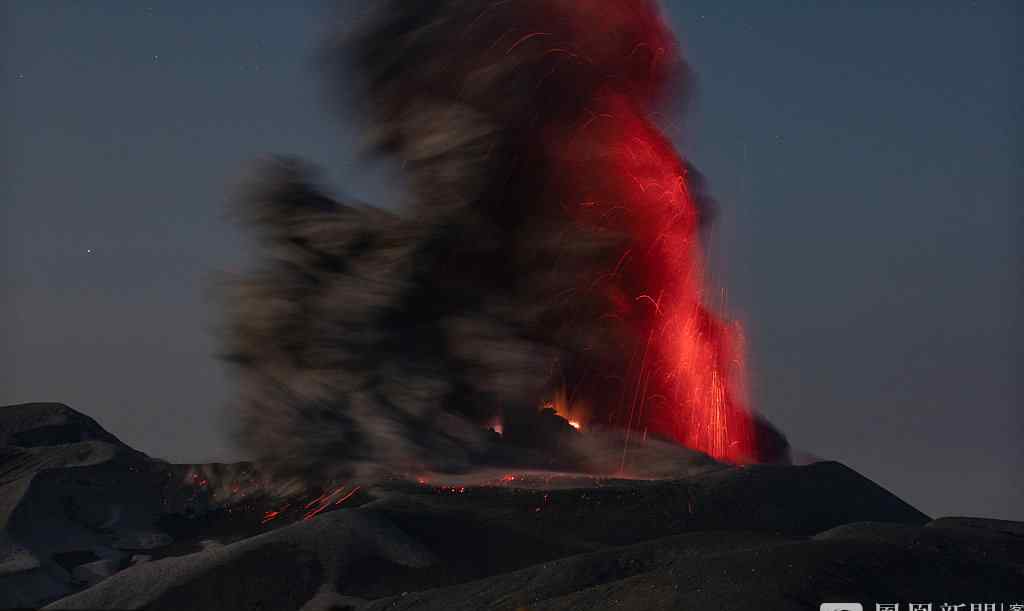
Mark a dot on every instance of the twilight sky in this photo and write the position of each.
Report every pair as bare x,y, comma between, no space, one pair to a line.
866,157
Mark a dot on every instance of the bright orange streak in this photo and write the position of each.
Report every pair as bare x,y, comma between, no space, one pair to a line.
347,496
324,501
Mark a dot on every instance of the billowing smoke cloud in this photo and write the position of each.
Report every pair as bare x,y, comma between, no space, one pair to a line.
367,342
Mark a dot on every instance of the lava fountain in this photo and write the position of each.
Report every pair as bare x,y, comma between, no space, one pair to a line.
687,381
615,170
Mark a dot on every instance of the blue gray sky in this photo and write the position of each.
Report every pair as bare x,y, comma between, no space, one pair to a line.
866,157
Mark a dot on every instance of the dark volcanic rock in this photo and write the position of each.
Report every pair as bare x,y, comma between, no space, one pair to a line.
63,480
576,573
72,496
32,425
76,514
978,545
282,569
785,499
731,571
799,576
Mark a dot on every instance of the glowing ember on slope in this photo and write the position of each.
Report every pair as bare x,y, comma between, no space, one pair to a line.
272,515
332,498
571,410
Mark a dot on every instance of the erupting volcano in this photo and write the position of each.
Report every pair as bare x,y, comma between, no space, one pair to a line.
551,255
519,390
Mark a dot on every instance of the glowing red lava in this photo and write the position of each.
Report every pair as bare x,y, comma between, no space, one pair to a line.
688,383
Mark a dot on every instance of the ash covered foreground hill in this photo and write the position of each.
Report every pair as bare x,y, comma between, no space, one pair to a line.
89,523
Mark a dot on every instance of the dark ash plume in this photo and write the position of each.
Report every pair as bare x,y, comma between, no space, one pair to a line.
368,343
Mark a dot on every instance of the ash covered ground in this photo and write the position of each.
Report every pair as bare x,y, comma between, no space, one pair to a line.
89,523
